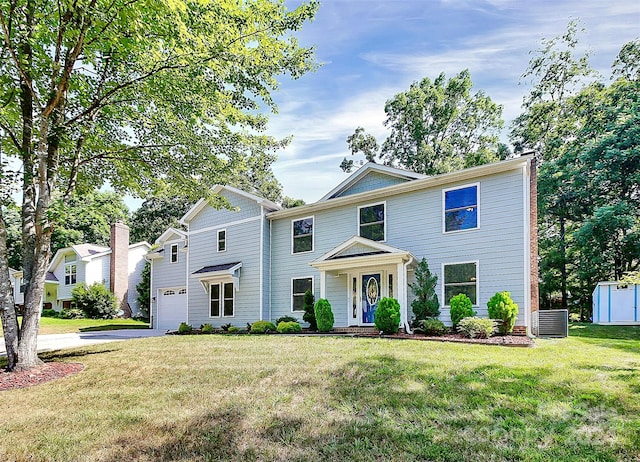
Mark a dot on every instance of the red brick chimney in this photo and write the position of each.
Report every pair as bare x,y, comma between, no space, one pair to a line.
119,272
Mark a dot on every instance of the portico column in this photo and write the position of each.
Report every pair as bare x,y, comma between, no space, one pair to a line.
323,284
402,292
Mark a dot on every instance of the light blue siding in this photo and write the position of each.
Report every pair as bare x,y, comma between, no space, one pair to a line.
414,223
242,245
166,275
371,181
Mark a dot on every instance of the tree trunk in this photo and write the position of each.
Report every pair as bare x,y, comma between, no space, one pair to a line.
7,305
563,264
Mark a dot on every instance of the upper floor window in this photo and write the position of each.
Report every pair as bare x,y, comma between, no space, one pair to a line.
222,240
302,232
174,253
70,274
371,222
461,278
461,208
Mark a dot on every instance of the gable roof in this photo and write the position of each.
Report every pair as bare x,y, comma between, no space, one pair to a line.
171,234
217,189
366,169
87,252
415,185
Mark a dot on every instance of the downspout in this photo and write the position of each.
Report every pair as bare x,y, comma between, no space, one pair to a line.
407,324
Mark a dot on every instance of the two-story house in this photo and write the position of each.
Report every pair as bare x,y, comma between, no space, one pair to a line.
118,267
360,242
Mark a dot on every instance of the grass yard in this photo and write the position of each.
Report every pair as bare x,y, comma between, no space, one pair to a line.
65,326
218,397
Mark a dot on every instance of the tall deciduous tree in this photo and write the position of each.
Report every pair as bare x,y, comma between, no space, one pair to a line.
436,127
129,91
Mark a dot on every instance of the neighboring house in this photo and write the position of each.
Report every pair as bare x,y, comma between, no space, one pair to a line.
360,242
17,284
118,267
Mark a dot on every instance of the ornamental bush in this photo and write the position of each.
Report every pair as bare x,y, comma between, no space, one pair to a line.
461,307
286,319
289,327
207,329
502,307
431,326
262,327
95,300
71,313
474,327
308,304
387,315
233,330
184,328
324,315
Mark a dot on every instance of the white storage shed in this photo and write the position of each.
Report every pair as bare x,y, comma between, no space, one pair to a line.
616,303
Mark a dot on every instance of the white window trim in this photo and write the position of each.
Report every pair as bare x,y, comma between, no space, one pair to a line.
313,290
443,212
67,265
218,240
313,235
477,263
220,284
384,204
171,260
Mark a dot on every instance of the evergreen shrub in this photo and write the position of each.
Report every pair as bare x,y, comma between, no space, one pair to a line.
387,315
461,307
502,307
323,315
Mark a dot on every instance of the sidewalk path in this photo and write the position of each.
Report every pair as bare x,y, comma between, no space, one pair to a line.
60,341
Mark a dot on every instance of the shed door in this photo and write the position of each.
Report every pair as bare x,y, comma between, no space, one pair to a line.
172,308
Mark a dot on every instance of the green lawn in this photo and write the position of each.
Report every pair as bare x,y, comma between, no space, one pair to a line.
298,398
64,326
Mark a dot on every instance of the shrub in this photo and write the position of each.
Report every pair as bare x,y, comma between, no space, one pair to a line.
426,304
460,308
233,330
474,327
262,327
323,315
289,327
207,329
95,300
184,328
309,315
286,319
49,313
502,307
431,326
71,313
225,327
387,315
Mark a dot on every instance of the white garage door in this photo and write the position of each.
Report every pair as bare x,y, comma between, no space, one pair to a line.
172,308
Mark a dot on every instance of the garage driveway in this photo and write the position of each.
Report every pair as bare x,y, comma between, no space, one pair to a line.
60,341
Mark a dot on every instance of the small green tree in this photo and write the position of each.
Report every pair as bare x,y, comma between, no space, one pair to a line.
501,306
95,301
323,315
461,307
426,305
387,315
309,316
144,292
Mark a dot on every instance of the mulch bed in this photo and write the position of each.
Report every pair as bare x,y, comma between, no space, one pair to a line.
38,375
503,340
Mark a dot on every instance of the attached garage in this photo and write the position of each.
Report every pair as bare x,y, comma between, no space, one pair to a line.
616,303
172,308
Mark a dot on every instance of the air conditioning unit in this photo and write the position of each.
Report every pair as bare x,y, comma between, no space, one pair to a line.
550,323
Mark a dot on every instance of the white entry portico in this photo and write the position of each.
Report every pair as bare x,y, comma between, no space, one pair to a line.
373,270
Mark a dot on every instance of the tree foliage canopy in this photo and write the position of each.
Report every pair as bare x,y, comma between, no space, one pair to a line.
131,92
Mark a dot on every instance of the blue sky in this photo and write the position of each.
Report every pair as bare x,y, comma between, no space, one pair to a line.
372,50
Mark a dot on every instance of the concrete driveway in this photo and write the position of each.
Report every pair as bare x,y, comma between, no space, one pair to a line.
60,341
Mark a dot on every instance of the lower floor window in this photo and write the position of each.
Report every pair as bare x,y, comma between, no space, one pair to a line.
298,288
221,299
461,278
